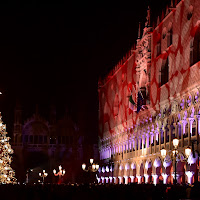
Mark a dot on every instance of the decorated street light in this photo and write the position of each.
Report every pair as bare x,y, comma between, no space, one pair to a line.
28,171
175,153
60,173
93,167
43,175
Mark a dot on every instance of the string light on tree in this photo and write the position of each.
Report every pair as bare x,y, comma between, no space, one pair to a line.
7,174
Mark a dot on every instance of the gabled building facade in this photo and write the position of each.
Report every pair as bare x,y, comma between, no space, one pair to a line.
151,97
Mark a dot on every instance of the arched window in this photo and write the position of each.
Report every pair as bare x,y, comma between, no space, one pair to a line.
195,48
169,37
106,115
164,72
116,105
158,47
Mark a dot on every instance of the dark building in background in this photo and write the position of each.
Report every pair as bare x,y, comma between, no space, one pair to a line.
45,144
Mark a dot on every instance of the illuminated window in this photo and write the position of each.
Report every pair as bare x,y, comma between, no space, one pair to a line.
116,105
106,116
164,73
169,37
158,47
195,48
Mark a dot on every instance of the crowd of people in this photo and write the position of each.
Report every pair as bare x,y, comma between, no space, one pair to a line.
100,192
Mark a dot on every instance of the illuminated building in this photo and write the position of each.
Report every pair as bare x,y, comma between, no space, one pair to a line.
150,97
44,144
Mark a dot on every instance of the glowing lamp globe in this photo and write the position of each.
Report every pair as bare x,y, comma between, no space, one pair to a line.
91,160
93,166
163,152
54,171
97,166
175,152
83,166
175,142
187,152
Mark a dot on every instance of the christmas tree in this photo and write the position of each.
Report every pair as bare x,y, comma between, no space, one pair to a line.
7,175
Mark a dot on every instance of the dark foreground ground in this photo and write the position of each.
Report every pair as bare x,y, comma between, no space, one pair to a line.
99,192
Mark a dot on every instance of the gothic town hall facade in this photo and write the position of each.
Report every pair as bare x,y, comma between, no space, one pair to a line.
151,97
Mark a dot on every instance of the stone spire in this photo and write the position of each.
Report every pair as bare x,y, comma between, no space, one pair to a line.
147,23
139,31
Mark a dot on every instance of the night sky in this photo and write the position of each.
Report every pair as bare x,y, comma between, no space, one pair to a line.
54,52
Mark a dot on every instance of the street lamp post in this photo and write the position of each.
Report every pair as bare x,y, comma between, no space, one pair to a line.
27,174
43,175
92,168
194,155
60,173
175,154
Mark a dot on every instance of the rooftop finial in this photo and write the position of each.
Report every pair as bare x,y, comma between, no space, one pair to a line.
172,4
139,31
148,17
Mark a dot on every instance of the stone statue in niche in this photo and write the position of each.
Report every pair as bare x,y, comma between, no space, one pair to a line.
192,112
189,101
174,107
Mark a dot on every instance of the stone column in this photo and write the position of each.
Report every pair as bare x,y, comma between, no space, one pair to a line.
175,126
164,133
151,141
114,180
133,143
132,179
126,179
170,137
130,145
155,179
111,179
154,141
191,120
146,178
143,141
139,178
106,179
159,139
120,179
102,178
165,176
139,143
147,140
135,146
178,178
183,124
197,126
189,175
